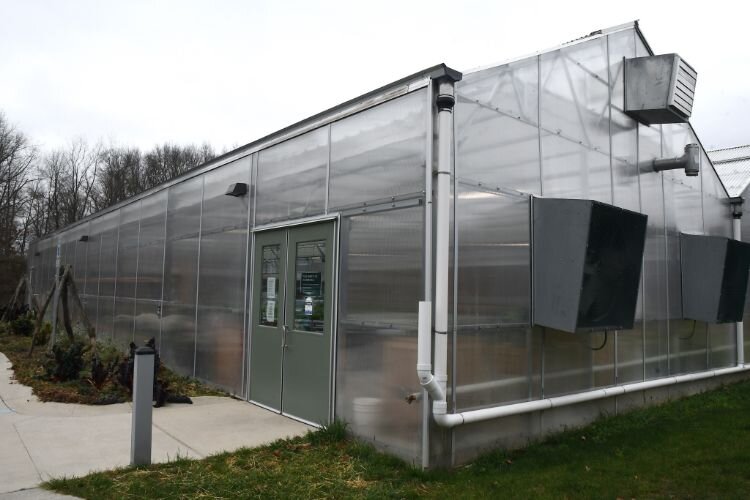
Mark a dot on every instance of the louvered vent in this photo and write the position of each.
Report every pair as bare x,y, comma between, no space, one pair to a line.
659,89
684,88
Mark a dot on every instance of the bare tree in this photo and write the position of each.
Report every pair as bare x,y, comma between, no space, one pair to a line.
16,158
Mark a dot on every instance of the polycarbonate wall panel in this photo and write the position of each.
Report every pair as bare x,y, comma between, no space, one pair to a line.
81,254
181,275
381,283
146,321
717,220
656,311
178,337
494,301
574,110
493,258
151,246
379,153
292,178
127,269
221,284
108,230
496,118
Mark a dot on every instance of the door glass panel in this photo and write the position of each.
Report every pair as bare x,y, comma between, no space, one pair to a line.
269,294
309,300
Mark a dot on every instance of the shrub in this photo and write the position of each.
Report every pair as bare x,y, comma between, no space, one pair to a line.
66,361
42,337
103,363
22,326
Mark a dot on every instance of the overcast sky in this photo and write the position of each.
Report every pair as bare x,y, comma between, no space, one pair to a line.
228,72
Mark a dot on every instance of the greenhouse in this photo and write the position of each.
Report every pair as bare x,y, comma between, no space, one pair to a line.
449,263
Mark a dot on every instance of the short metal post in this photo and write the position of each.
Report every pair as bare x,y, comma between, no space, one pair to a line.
143,390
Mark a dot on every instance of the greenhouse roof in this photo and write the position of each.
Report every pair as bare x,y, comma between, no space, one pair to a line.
733,167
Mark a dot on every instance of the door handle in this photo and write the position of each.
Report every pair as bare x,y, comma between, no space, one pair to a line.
284,330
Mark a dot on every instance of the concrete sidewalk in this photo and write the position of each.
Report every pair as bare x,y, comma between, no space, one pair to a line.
39,441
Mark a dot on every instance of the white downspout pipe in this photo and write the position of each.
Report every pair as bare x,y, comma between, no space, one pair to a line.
736,204
436,383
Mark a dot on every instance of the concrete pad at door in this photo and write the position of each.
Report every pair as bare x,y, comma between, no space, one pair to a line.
213,425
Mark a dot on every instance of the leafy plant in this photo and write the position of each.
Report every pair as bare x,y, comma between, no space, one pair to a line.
22,326
66,361
42,337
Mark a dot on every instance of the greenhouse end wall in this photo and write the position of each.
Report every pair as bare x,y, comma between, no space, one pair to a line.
553,125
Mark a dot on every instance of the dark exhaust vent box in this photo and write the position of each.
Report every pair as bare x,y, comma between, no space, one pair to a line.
714,278
587,264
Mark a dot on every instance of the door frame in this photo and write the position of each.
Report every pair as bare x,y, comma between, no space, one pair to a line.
334,218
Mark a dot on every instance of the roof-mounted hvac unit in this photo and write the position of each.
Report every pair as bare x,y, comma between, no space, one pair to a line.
659,89
714,278
587,264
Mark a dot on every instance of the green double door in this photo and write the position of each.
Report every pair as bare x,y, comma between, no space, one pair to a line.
290,347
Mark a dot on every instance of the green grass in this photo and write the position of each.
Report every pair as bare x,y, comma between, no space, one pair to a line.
697,447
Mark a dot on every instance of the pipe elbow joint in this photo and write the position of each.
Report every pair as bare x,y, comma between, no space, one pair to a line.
443,418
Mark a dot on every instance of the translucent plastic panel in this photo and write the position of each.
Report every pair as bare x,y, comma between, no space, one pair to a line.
92,260
292,178
380,152
108,255
577,362
146,321
722,341
571,170
511,89
219,348
181,275
105,318
223,240
574,94
497,365
184,209
623,129
496,149
717,216
79,263
223,252
381,284
656,313
124,321
183,224
220,211
178,337
151,246
127,251
493,258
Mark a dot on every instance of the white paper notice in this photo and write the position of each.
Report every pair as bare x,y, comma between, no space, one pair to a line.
270,311
271,288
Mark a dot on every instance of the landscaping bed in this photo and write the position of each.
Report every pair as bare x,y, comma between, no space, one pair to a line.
692,448
69,375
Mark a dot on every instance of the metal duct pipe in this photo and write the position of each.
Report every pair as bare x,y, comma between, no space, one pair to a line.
690,161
